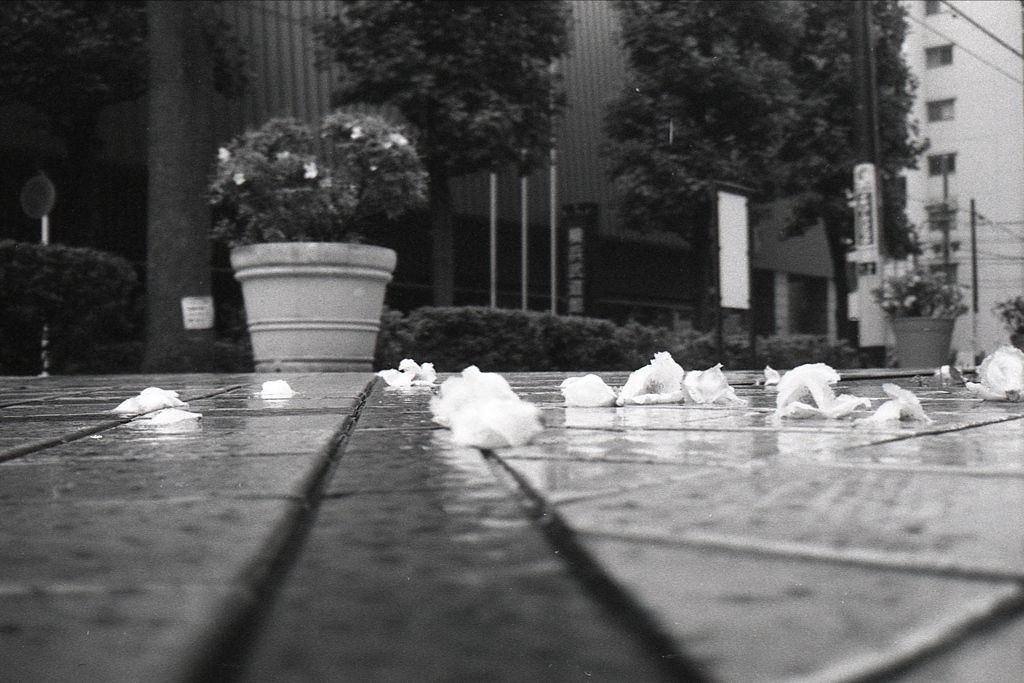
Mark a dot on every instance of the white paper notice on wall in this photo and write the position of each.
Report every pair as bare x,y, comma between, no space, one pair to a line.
733,250
197,312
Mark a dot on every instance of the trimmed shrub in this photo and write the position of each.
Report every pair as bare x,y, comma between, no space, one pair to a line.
87,299
453,338
505,340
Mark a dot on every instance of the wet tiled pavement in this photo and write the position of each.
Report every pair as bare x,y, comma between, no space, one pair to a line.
340,535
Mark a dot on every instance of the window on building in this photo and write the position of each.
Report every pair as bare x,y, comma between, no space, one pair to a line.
951,270
941,110
941,164
932,6
941,217
808,304
938,56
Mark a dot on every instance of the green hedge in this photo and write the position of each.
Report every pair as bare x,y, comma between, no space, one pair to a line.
503,340
88,299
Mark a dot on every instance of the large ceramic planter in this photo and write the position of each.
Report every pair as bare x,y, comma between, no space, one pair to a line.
923,342
313,306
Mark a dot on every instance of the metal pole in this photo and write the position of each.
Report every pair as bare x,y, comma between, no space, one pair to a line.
494,239
945,215
553,221
974,283
524,234
716,274
44,346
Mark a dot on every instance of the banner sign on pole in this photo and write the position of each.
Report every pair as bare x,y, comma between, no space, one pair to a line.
865,216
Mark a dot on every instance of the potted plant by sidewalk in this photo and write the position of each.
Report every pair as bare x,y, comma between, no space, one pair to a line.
295,221
1011,312
923,308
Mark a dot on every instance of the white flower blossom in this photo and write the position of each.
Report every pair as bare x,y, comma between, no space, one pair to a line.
398,139
1001,375
587,391
410,374
661,381
239,178
357,132
309,170
813,381
481,410
224,154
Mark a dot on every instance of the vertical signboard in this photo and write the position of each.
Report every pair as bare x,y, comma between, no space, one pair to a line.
733,250
580,221
866,256
865,214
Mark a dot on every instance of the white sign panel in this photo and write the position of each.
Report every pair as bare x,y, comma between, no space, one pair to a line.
197,312
733,251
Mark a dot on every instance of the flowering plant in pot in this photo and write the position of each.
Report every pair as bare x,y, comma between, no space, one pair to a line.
1011,312
296,219
923,307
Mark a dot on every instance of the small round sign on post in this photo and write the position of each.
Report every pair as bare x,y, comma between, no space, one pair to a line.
37,198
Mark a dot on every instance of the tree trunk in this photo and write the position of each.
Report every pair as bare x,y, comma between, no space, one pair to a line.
180,156
442,228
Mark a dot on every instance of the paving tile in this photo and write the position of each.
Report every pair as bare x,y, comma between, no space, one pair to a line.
72,478
449,582
758,619
923,518
82,633
994,654
119,543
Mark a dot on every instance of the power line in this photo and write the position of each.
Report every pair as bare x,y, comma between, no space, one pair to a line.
959,12
970,52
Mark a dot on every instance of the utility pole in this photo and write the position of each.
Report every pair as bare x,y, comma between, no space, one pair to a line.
974,282
947,217
869,233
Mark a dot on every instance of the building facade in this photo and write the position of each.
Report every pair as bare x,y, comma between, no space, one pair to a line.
967,197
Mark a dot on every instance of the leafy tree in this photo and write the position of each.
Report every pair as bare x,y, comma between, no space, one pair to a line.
709,99
760,94
69,61
820,154
473,76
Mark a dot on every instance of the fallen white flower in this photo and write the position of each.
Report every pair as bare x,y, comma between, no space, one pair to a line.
587,391
840,406
410,374
167,416
1001,375
496,424
814,381
482,411
903,405
469,388
276,388
661,381
148,400
710,386
771,376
